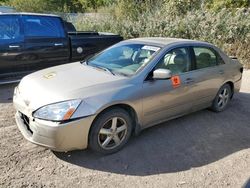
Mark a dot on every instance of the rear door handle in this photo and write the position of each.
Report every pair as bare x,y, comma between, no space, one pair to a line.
58,44
189,80
14,46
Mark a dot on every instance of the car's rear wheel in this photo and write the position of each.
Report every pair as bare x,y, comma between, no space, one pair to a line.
222,98
110,131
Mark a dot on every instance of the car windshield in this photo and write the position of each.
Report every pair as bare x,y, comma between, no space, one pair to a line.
124,59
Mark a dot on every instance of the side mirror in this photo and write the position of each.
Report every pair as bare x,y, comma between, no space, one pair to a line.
161,74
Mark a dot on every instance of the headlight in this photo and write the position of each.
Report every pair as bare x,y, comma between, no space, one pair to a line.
57,111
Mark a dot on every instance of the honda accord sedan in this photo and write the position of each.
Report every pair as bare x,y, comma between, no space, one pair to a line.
99,103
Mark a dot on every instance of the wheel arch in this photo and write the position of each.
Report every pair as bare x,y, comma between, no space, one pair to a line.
128,108
231,84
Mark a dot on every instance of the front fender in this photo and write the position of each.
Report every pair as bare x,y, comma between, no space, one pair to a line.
130,96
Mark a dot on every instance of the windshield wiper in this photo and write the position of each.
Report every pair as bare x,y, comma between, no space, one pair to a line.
99,67
84,62
106,69
103,68
121,74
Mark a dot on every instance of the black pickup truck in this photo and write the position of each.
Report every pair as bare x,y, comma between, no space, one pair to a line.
30,42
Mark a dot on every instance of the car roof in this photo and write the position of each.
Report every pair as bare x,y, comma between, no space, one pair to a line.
161,41
29,14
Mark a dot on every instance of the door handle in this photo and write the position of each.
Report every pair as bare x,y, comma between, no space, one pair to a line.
14,46
189,80
58,44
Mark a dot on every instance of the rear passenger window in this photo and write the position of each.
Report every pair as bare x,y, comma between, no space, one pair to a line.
177,60
43,26
9,28
205,57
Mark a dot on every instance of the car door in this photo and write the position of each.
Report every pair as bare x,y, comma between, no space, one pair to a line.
208,75
45,42
165,99
11,45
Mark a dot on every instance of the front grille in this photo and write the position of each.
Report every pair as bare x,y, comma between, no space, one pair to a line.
26,122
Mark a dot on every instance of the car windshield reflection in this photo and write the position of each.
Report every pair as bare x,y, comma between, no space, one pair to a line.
124,60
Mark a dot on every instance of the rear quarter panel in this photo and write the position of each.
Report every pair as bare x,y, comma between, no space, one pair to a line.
234,73
233,70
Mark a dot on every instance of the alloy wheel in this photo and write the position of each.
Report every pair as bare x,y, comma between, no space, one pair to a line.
223,98
112,133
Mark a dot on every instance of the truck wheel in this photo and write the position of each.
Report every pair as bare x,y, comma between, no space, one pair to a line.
222,98
110,131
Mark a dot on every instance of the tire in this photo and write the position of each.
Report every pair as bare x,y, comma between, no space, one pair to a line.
110,131
222,98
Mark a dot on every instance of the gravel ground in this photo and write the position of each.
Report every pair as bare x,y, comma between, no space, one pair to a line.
203,149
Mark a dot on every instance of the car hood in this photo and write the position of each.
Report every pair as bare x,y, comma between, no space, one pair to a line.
64,82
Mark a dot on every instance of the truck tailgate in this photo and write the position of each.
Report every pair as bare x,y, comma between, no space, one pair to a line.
84,44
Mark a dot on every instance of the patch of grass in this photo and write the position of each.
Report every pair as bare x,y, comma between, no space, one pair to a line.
229,30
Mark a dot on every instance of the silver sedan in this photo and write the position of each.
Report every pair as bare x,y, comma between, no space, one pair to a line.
135,84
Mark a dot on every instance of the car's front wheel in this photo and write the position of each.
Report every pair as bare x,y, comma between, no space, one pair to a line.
110,131
222,98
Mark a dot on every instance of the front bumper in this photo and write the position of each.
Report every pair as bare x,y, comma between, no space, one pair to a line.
68,136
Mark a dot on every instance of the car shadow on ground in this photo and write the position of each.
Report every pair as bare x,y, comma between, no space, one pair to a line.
191,141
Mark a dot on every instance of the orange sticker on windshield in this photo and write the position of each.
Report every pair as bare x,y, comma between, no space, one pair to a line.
176,81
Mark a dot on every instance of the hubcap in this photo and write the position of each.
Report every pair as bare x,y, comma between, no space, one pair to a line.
112,133
223,98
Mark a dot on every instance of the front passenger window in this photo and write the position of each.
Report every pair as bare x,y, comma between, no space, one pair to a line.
177,60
